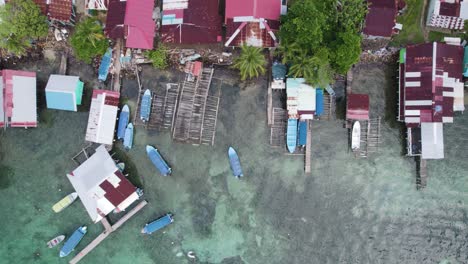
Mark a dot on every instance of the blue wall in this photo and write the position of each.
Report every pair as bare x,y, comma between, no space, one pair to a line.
61,101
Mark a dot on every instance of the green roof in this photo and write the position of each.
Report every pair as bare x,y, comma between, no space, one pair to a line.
403,55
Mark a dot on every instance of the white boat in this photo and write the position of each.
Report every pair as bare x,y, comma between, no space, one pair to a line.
356,136
55,241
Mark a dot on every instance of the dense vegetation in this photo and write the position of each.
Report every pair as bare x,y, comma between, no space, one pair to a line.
158,57
251,62
89,40
21,22
322,37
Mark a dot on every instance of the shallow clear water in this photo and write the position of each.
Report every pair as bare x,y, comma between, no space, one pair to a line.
348,211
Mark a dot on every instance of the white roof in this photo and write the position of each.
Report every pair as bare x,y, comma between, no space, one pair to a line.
87,178
2,112
62,83
464,10
24,99
306,98
432,140
101,122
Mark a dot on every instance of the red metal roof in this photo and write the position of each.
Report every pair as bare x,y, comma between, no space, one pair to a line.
449,9
201,24
357,107
115,19
381,18
116,195
268,9
251,31
139,23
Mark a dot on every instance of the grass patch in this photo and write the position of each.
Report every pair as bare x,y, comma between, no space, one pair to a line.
412,32
130,167
439,36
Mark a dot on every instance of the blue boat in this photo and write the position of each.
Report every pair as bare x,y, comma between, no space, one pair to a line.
160,223
235,163
73,241
105,65
319,101
128,138
123,121
145,108
291,135
302,133
158,161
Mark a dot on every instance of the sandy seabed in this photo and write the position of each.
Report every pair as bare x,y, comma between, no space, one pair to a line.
347,211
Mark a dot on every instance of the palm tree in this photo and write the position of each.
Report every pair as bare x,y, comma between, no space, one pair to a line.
89,40
251,62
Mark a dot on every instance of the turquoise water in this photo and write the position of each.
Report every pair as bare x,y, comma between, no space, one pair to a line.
347,211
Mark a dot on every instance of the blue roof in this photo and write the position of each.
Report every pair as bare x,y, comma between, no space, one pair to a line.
60,101
302,133
278,71
158,224
319,101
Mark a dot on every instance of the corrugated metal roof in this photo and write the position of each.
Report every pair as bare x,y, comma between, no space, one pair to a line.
140,24
381,18
432,141
115,19
56,9
357,107
268,9
449,9
252,33
102,117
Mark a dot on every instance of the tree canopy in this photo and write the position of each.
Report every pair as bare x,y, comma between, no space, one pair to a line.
20,22
89,40
319,38
158,57
251,63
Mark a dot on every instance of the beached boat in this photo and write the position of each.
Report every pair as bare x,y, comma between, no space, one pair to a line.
55,241
356,136
65,202
105,65
291,135
145,108
157,224
121,166
158,161
128,139
73,241
123,121
235,163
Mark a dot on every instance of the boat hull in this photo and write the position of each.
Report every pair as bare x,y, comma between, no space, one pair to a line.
128,138
123,122
356,136
157,224
158,161
65,202
291,135
55,241
235,163
145,108
73,241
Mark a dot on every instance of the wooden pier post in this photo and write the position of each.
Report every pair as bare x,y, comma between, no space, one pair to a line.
421,179
308,154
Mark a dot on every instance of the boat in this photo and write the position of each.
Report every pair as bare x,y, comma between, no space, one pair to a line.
145,108
356,136
291,135
73,241
235,163
157,224
65,202
121,166
55,241
105,65
128,138
319,101
302,133
158,161
123,121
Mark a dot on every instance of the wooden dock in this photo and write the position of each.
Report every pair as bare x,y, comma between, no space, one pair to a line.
278,127
117,66
329,107
421,178
107,231
270,106
308,148
63,64
370,137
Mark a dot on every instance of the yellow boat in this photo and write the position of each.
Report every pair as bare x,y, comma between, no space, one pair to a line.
65,202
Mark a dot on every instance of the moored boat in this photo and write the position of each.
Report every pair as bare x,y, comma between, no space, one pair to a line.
55,241
128,138
145,108
121,166
235,163
105,65
65,202
158,161
157,224
123,121
356,136
73,241
291,135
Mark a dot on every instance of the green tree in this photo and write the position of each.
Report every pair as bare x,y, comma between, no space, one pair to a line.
20,22
89,40
319,38
251,63
158,57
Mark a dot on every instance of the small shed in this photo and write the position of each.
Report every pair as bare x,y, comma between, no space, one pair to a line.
18,100
102,117
357,107
64,92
